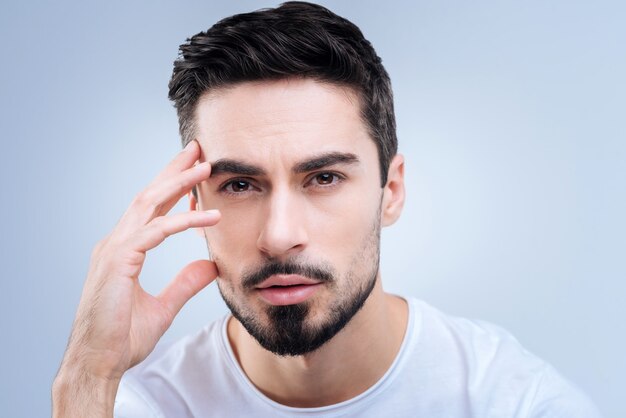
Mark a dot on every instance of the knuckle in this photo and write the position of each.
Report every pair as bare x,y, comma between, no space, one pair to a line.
189,222
146,202
99,247
158,226
182,185
140,199
124,258
134,257
158,221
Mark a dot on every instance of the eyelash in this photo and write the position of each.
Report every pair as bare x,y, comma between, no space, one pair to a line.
337,179
224,188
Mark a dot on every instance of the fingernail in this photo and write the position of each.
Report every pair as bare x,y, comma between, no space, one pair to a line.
212,212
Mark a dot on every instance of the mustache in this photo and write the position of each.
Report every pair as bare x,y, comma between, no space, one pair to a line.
254,278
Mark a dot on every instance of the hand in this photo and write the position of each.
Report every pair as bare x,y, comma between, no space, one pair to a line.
117,323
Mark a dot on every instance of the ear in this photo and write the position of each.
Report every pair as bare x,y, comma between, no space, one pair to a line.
393,192
194,205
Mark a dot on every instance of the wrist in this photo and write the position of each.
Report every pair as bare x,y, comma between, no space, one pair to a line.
76,392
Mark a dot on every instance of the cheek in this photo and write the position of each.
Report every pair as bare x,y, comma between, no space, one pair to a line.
341,222
234,238
336,225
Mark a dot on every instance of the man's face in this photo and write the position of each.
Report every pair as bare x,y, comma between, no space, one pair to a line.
296,178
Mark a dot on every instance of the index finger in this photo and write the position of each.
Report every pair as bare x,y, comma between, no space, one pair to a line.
165,190
185,159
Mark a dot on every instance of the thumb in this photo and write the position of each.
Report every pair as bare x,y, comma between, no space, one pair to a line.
187,283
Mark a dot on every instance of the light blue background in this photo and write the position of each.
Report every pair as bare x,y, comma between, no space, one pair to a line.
511,116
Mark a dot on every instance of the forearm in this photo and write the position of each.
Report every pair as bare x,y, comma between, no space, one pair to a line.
77,394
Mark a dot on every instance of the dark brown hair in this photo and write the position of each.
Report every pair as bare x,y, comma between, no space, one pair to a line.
297,39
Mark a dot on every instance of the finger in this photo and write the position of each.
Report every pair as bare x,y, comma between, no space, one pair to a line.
162,227
185,159
193,278
159,198
171,190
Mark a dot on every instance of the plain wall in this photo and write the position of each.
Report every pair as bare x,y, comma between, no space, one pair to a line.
511,116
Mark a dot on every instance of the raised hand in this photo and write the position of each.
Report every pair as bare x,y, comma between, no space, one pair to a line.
117,323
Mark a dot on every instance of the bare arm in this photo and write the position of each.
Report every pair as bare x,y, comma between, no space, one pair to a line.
117,323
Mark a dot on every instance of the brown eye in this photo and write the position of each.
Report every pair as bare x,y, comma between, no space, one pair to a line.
238,186
325,178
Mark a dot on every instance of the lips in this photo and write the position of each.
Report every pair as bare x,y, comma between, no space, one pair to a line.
280,289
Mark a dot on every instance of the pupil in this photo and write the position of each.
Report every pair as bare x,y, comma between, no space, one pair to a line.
324,178
240,186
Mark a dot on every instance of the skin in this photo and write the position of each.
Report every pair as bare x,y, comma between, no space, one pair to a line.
117,323
286,215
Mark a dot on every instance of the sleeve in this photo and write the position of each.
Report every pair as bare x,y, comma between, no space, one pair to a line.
133,402
558,398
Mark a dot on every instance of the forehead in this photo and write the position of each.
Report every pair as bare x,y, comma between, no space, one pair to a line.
284,118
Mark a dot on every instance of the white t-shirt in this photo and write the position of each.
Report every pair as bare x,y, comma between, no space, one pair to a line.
447,367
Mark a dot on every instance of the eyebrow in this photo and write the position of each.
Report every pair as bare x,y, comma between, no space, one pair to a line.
231,166
325,160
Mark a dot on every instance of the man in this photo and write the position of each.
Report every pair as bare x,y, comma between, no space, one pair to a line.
291,168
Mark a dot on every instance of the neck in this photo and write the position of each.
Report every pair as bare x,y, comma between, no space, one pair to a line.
346,366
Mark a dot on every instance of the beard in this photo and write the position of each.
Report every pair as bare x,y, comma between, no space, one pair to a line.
288,330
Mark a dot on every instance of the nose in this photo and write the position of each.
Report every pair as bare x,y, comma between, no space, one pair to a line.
284,231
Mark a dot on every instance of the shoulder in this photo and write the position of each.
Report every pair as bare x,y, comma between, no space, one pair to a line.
480,343
499,376
557,397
